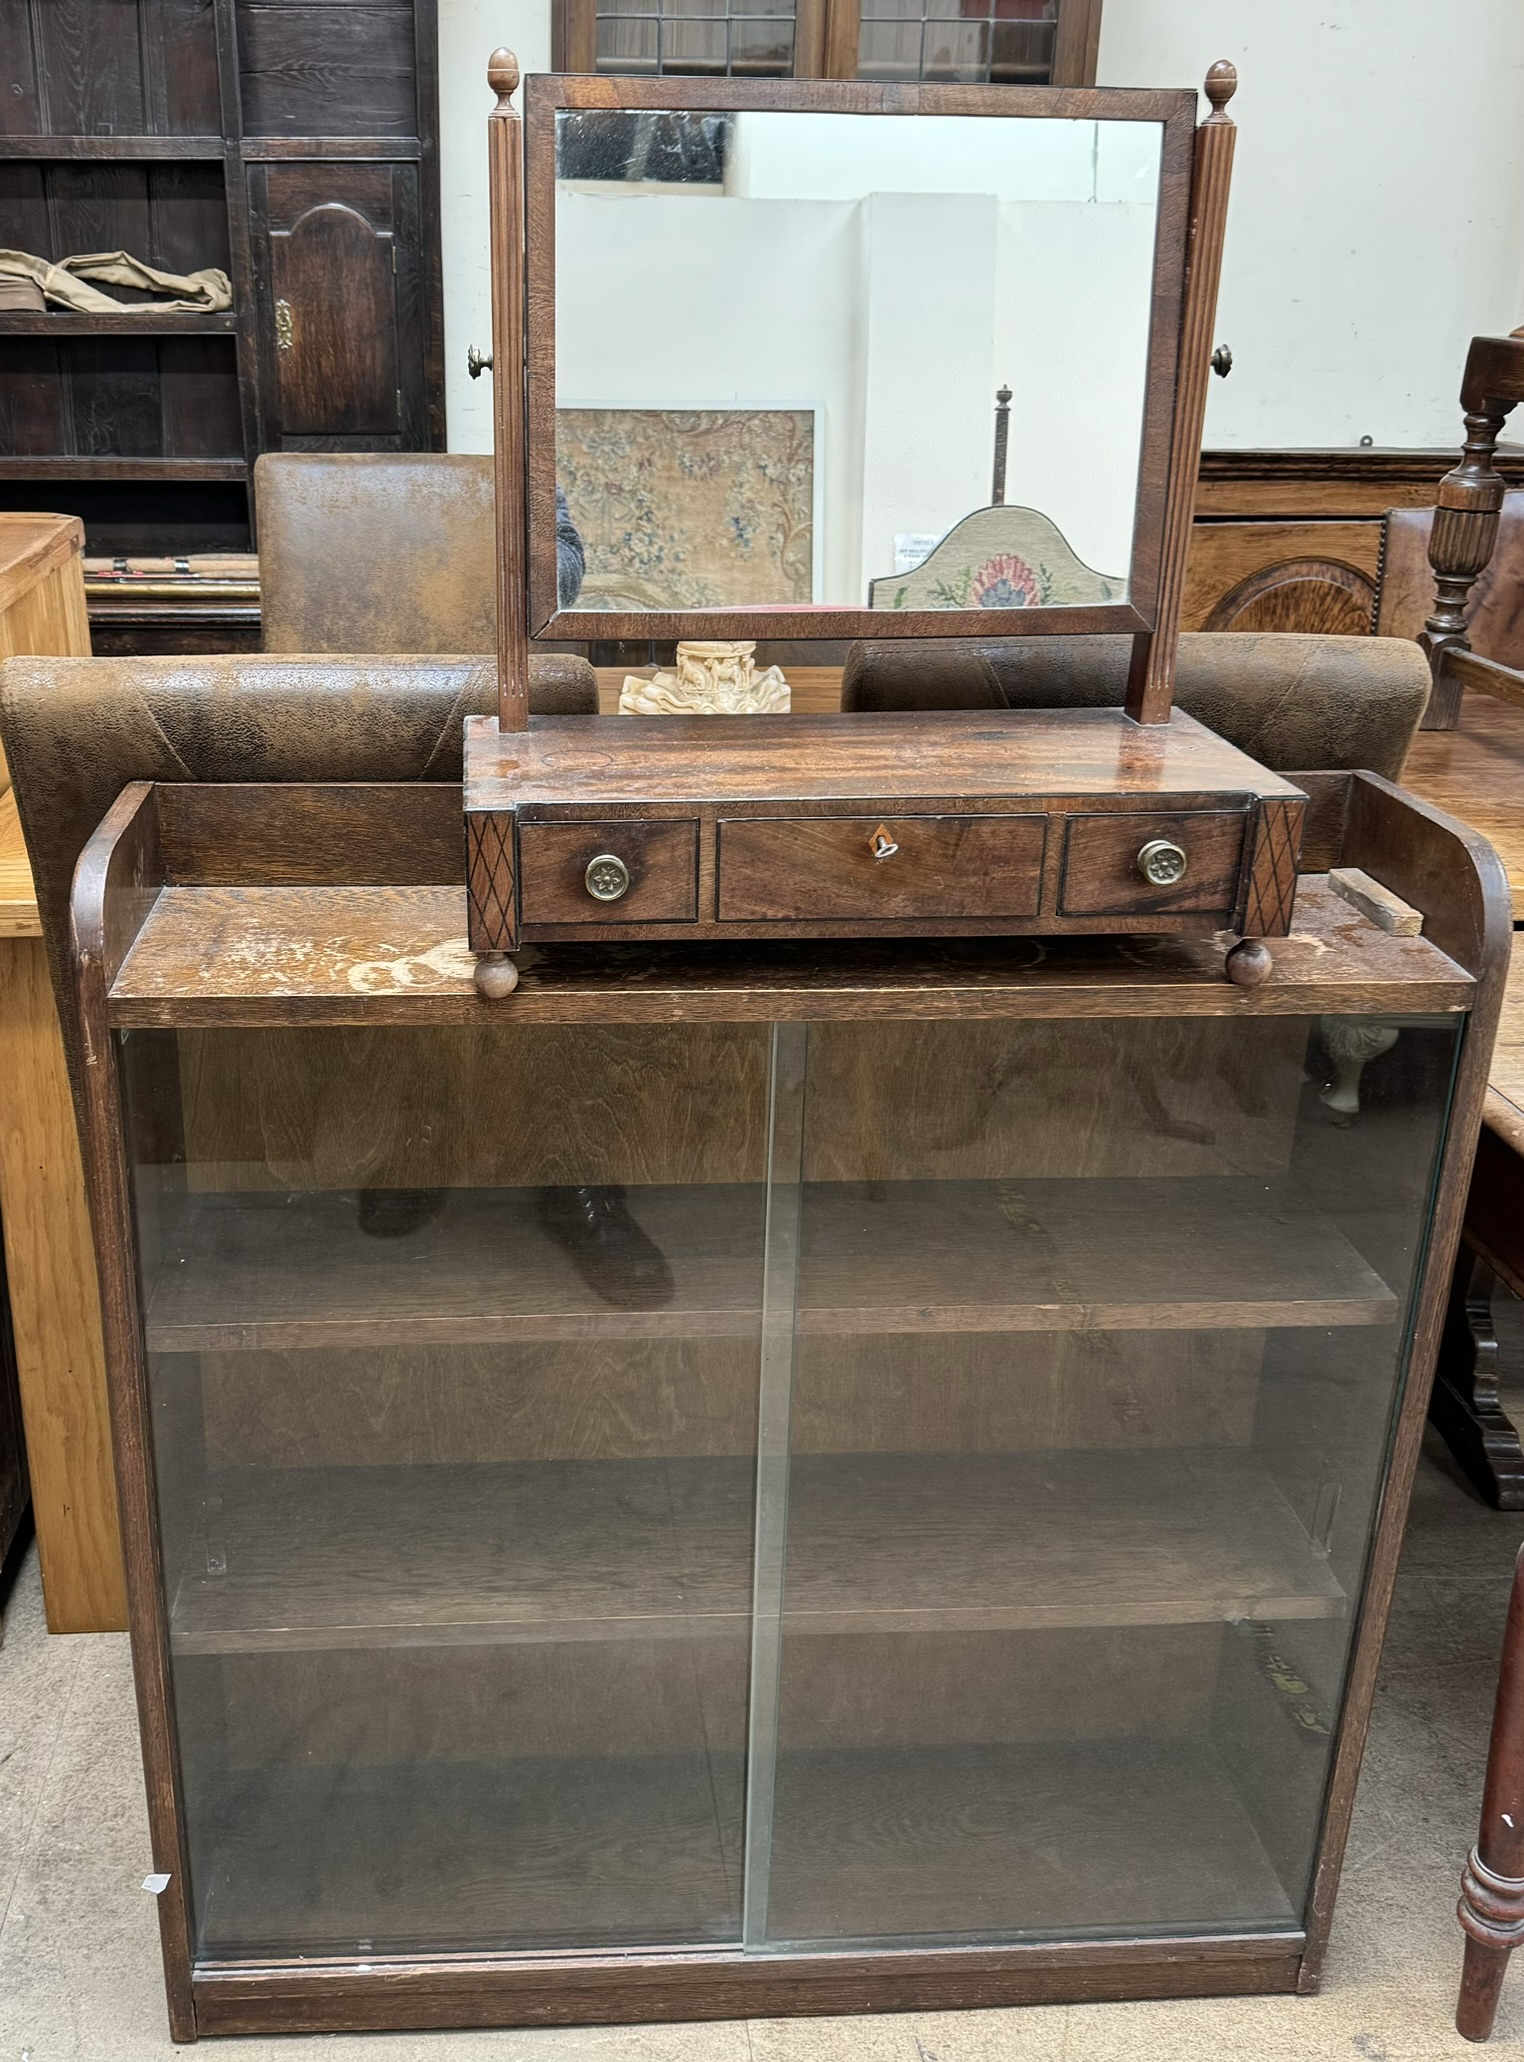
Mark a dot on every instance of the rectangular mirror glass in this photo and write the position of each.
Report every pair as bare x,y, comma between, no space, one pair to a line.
780,336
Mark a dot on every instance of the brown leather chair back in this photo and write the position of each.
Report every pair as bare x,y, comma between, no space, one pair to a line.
376,551
1291,702
1405,597
391,551
77,731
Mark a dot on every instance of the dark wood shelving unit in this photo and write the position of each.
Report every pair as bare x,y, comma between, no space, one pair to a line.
122,469
64,323
267,142
109,147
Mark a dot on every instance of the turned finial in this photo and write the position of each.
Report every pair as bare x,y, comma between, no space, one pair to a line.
503,75
1221,85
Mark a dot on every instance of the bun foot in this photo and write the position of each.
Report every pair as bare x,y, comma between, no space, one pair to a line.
1249,962
495,976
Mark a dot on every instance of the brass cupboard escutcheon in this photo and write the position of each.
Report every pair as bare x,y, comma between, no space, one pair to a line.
881,845
1162,863
285,326
607,877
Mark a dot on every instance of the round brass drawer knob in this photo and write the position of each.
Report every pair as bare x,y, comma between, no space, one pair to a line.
607,877
1162,863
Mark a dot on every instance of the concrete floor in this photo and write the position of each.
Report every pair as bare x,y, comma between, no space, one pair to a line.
79,1961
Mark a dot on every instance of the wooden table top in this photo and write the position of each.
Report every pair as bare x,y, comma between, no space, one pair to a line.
814,690
30,546
1504,1112
1476,772
18,900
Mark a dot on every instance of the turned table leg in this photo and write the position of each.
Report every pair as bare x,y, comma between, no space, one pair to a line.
1491,1905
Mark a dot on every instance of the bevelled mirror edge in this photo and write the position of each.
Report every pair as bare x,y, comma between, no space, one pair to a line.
548,97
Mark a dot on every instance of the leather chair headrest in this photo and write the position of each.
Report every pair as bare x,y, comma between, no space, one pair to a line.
1293,703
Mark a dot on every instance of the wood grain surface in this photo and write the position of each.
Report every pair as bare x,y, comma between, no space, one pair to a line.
782,867
640,1399
55,1307
1505,1082
42,592
1476,771
1243,576
267,1994
1101,862
31,546
661,860
950,756
687,1102
18,897
49,1258
616,1550
266,1270
813,690
397,955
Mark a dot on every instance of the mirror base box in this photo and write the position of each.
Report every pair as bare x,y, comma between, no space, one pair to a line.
1013,821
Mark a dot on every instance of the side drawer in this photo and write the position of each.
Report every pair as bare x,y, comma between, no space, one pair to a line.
1103,874
777,869
659,862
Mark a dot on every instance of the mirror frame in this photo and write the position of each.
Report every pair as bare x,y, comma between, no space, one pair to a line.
546,94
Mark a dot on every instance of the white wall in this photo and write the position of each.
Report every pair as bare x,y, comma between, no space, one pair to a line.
893,317
1377,218
928,334
692,301
469,32
1366,246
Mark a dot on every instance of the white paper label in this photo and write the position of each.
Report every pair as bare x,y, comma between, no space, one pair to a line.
156,1884
912,546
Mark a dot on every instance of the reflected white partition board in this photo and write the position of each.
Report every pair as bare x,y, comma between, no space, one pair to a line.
882,275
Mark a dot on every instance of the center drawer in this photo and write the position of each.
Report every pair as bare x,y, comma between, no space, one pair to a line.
777,869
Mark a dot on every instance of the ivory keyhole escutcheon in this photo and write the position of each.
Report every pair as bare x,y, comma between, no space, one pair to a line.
607,877
881,845
1162,862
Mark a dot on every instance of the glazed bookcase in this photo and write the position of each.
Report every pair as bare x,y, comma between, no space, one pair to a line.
958,1579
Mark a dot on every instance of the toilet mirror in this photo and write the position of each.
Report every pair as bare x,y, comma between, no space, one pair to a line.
807,363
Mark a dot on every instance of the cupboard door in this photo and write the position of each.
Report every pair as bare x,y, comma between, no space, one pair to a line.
342,343
456,1477
1069,1463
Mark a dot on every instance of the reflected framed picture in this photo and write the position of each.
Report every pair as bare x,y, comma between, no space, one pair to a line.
692,508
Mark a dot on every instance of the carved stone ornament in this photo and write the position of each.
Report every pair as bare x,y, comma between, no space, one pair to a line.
1351,1043
712,679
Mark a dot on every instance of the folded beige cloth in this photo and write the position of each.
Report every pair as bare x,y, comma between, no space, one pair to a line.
205,293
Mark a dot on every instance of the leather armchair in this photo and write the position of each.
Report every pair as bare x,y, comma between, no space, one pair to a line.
1291,702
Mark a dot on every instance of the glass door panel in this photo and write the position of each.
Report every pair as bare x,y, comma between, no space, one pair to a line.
453,1346
1099,1332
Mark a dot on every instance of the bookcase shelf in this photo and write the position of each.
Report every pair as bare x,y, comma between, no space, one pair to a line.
198,137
